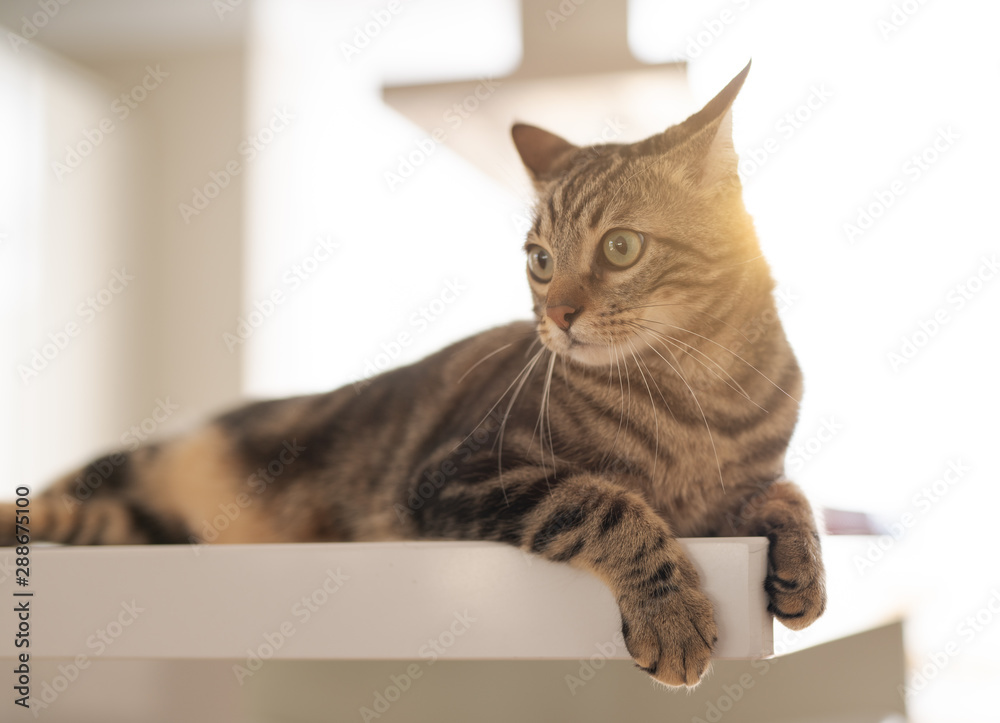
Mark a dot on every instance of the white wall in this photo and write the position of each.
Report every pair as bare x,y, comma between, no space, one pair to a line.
156,344
323,177
66,236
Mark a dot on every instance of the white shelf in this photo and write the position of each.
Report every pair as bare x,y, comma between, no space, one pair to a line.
388,601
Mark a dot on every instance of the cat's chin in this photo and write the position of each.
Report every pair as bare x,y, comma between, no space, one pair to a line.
591,355
583,353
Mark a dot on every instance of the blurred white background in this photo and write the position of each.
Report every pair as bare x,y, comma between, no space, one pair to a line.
869,145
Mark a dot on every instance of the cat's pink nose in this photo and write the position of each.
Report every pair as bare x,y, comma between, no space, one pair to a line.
563,316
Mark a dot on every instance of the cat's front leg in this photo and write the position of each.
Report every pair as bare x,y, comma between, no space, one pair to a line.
585,520
796,581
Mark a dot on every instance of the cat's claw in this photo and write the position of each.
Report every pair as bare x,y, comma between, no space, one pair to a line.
670,637
796,582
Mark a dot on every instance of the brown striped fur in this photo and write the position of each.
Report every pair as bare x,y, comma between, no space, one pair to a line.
651,415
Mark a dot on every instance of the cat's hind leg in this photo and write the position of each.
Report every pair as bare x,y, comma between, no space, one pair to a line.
100,504
166,493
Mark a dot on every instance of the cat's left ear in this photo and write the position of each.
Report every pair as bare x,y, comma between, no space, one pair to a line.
544,154
708,136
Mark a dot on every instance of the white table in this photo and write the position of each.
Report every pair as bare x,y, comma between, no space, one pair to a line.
224,632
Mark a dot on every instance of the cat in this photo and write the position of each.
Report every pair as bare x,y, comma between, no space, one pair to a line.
633,410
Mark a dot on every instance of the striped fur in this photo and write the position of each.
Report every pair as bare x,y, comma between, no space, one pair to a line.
593,438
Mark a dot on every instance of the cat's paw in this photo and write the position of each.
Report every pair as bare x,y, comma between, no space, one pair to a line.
796,581
670,633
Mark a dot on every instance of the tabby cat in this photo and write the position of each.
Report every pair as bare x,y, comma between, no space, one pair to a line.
633,410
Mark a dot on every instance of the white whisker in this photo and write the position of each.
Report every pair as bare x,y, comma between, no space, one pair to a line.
680,345
498,445
541,423
722,346
492,353
697,311
694,396
656,416
621,420
525,369
548,417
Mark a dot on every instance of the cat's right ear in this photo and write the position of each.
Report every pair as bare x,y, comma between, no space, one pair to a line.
543,153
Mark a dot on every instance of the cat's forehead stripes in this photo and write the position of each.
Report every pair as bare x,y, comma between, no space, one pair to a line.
595,190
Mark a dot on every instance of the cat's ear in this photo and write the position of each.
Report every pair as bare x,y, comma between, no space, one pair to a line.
541,151
708,136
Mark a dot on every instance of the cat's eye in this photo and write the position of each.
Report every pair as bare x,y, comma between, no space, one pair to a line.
540,264
622,247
